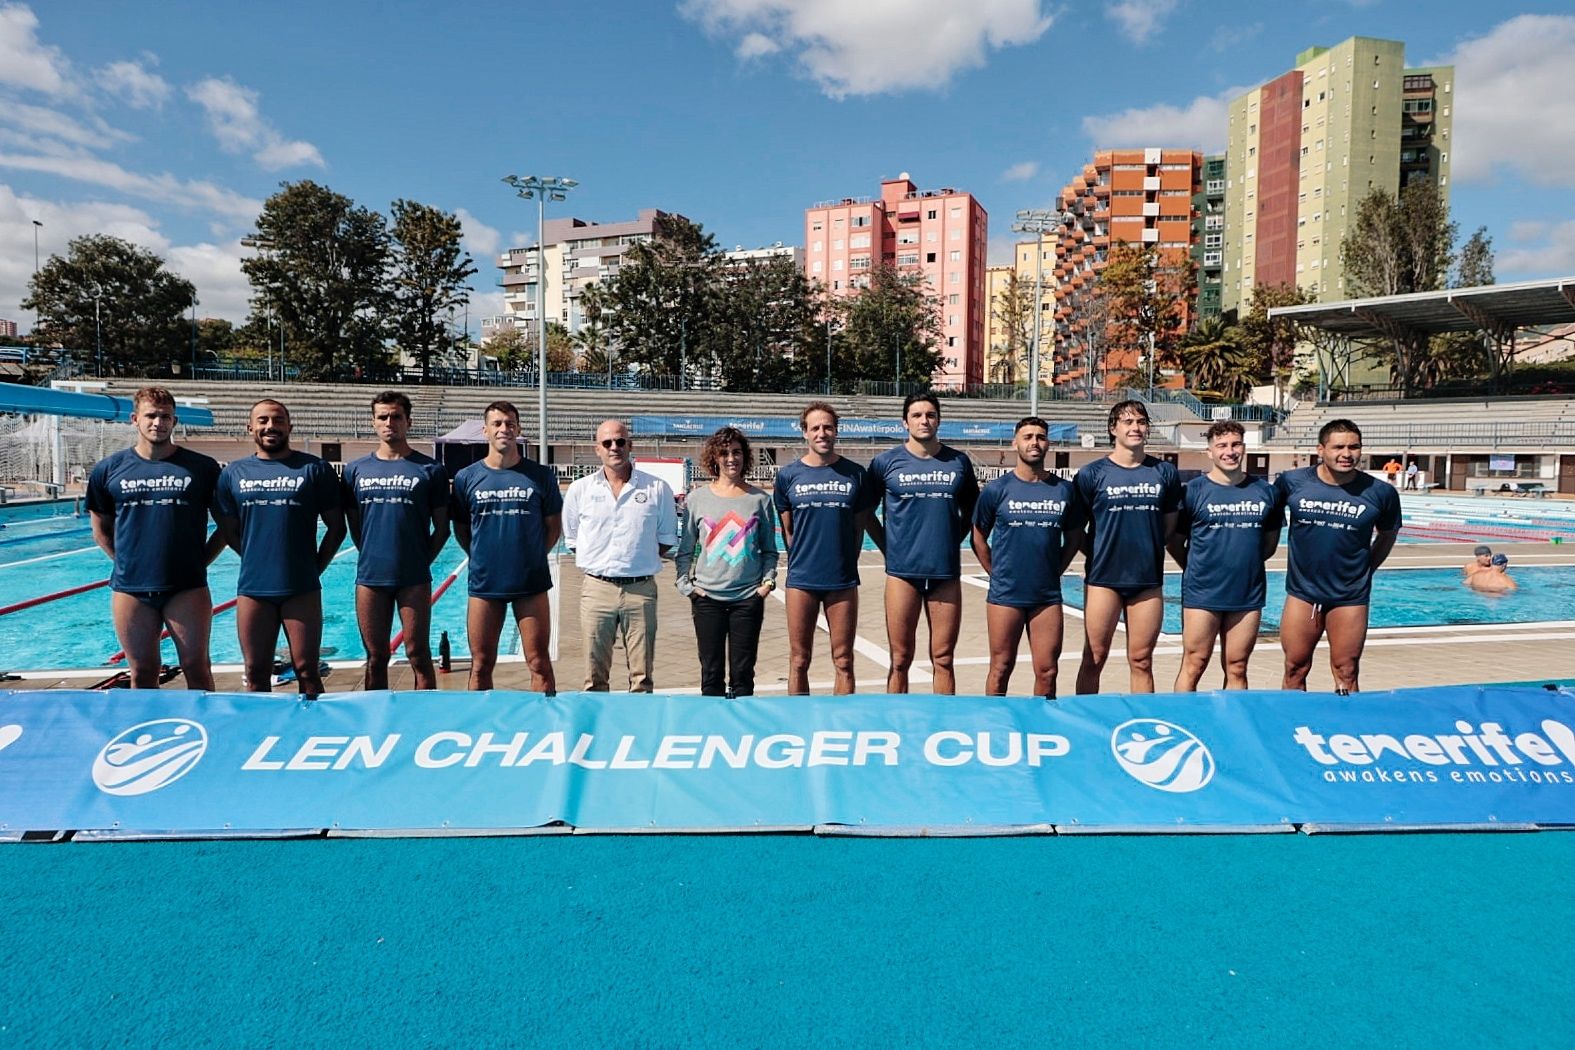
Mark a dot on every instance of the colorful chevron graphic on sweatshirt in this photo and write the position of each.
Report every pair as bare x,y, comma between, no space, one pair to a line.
728,538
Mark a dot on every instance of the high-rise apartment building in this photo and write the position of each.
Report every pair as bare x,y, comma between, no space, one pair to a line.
578,253
1000,365
1134,197
939,234
1208,236
1306,147
7,328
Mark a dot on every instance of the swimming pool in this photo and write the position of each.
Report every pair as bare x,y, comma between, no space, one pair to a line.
44,551
1412,598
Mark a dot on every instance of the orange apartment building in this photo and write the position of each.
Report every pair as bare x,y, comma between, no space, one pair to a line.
1136,197
940,234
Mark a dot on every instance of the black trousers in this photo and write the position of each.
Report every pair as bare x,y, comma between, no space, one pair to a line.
728,634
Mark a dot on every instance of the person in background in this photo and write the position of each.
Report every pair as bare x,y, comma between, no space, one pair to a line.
1413,476
149,506
929,491
826,505
268,506
507,515
1228,527
1495,579
727,564
1481,559
620,522
396,504
1027,529
1392,471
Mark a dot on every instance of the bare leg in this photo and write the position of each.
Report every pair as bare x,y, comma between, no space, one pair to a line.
1301,625
1045,629
189,617
1200,629
374,613
803,609
533,616
415,619
943,612
483,626
1005,627
303,627
257,626
842,621
1101,615
903,601
137,626
1347,638
1145,616
1241,637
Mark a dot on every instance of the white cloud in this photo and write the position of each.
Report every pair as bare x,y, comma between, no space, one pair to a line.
239,126
480,240
1231,36
24,62
134,84
164,188
1552,253
485,304
1139,20
222,289
42,127
875,46
1021,172
1511,109
1200,123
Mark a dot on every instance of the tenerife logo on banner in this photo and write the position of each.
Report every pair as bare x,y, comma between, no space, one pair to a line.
149,756
1162,755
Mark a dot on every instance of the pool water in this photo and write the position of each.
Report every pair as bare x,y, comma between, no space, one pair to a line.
40,556
1411,598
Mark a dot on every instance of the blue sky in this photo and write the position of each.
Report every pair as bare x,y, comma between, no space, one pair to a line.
168,123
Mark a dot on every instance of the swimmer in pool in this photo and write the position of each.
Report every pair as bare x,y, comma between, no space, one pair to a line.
1481,560
1495,579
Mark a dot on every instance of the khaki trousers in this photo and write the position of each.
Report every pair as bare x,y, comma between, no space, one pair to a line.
627,611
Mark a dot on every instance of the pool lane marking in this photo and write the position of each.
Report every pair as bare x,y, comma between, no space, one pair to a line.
47,557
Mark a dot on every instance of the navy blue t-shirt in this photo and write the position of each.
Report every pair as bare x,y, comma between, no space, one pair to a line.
1025,522
825,503
278,502
1331,534
1224,526
395,499
928,504
507,511
1127,506
160,508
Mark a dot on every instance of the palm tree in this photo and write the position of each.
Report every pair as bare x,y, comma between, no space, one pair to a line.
1216,362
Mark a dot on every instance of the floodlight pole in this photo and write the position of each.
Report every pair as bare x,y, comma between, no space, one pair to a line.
541,189
1038,222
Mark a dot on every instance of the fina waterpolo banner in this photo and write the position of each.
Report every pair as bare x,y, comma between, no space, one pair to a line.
760,426
184,762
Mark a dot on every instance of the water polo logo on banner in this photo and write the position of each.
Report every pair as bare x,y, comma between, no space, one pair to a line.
149,756
1162,755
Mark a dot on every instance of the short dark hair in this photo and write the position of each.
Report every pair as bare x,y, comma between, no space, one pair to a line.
1338,426
923,395
1223,427
1031,421
1121,408
817,406
716,444
506,407
268,401
393,397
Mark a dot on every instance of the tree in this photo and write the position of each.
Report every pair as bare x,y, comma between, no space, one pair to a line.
658,306
1217,363
763,325
1143,292
1270,343
429,270
890,327
1014,305
514,350
560,348
1474,265
1467,355
140,306
322,269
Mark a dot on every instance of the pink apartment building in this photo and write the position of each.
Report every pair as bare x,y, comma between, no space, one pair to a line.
941,234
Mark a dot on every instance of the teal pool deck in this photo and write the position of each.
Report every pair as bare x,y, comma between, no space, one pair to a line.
1271,940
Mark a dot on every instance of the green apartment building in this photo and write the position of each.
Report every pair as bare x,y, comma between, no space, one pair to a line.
1306,147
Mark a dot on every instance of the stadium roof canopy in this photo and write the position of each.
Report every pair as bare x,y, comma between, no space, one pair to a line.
1498,309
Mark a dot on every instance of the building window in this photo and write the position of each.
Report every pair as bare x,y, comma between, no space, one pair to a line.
818,245
955,278
860,241
861,220
907,258
952,300
955,235
931,214
859,262
956,256
815,266
836,265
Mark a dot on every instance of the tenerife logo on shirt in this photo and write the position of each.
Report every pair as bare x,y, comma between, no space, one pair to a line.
162,483
1036,506
283,483
506,493
402,482
822,488
926,477
1341,507
1246,506
1140,488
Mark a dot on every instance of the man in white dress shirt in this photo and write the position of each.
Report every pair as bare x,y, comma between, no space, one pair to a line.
620,523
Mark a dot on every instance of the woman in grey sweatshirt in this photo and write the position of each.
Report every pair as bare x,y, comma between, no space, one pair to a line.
727,564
